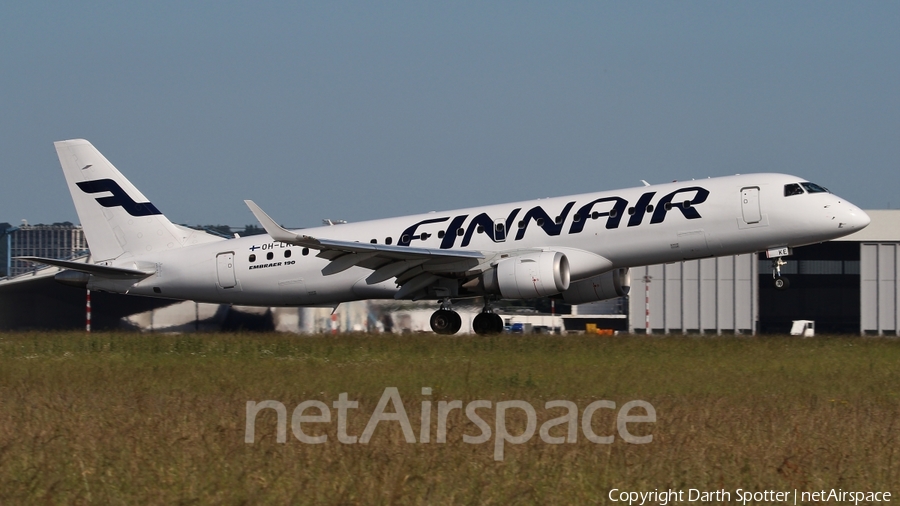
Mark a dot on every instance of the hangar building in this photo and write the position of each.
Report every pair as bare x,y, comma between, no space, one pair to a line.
59,240
846,286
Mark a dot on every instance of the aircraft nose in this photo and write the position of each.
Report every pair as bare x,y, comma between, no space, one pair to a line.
854,218
862,219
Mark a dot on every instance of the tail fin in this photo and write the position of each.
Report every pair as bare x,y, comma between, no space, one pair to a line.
118,220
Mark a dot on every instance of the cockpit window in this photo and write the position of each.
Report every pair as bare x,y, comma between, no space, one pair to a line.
792,189
814,188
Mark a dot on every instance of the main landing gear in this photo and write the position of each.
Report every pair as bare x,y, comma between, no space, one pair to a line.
445,320
781,282
487,322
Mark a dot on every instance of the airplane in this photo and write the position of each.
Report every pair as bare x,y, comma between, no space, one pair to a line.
575,248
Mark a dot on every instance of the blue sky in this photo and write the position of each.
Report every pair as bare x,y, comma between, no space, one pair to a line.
361,110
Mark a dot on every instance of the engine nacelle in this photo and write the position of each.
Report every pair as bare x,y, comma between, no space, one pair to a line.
73,278
529,276
609,285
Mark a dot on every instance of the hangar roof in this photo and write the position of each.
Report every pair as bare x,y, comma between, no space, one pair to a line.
885,227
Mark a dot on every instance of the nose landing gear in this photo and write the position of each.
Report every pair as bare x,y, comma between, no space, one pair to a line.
445,321
781,282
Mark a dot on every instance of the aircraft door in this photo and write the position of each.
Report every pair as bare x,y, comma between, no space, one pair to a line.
225,269
750,205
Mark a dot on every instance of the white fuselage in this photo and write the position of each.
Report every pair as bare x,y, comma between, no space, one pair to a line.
597,232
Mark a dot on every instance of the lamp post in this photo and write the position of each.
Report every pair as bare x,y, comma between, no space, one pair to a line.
87,314
8,233
647,280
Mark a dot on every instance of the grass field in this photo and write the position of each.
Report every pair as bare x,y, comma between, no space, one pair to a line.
129,418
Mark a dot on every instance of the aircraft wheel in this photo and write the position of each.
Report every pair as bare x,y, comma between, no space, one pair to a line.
497,323
782,283
456,324
487,323
443,321
482,324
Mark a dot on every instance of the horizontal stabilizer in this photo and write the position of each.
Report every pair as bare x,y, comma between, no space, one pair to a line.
98,270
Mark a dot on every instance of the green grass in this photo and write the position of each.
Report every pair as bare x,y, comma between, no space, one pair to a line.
128,418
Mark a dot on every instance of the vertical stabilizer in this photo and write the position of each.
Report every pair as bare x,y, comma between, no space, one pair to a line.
118,221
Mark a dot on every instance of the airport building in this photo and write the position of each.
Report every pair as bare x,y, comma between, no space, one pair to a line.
846,286
59,240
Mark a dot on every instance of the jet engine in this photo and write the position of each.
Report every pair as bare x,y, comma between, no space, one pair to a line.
73,278
528,276
609,285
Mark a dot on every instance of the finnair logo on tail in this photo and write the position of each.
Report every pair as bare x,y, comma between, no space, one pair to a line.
118,198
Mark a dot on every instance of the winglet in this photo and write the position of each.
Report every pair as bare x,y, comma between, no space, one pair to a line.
275,230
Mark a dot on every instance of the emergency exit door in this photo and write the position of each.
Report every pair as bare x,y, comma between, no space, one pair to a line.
225,269
750,205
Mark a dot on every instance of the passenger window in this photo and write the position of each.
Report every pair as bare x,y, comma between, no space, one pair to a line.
252,257
814,188
792,189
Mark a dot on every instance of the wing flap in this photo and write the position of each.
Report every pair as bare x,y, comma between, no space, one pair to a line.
347,261
415,284
391,270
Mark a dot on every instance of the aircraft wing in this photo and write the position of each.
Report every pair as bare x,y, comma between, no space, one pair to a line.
414,268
